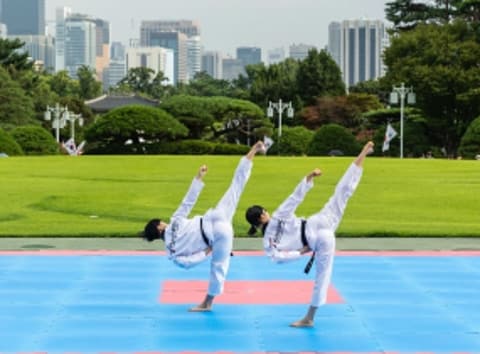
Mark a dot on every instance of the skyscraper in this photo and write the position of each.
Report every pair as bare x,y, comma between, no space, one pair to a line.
80,43
358,46
276,55
249,55
186,46
212,64
102,39
300,51
23,17
155,58
62,13
3,30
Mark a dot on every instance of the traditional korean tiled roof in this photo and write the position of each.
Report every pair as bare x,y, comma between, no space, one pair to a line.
106,103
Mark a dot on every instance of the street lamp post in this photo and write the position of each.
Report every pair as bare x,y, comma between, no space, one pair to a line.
58,120
72,117
402,92
279,106
61,115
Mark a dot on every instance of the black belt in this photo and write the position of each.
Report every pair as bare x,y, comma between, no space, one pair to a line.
204,236
305,243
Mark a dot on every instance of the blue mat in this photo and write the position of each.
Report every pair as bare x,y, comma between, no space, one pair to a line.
110,304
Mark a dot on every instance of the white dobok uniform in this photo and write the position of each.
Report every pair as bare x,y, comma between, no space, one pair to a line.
282,236
184,243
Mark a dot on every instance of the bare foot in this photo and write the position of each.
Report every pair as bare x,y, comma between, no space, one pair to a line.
303,323
200,308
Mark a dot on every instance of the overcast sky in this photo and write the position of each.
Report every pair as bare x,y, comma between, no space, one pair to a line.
227,24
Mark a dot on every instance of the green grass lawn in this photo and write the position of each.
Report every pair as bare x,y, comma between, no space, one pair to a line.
96,196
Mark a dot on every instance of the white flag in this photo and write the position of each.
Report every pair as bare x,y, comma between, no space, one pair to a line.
70,147
268,142
389,135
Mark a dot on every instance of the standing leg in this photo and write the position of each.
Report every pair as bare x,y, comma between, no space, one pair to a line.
325,223
222,228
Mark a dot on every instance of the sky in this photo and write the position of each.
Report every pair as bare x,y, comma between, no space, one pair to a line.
228,24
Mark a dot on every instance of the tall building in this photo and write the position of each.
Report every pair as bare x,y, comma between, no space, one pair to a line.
61,14
114,73
117,51
40,48
300,51
212,64
102,38
187,46
23,17
276,55
232,68
3,30
334,42
80,43
249,55
155,58
194,56
358,46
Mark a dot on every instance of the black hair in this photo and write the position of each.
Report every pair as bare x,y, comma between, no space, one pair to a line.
253,215
151,232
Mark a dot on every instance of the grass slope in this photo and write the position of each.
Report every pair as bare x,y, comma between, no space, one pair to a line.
114,195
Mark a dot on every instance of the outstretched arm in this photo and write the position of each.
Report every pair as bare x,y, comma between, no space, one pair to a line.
288,207
367,149
192,195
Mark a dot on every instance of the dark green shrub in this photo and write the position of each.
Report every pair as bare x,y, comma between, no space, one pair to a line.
294,141
8,145
470,142
35,140
331,138
132,129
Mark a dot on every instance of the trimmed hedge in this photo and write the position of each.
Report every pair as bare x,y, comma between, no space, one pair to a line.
35,140
8,145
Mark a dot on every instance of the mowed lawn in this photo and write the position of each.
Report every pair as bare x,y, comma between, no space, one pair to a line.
95,196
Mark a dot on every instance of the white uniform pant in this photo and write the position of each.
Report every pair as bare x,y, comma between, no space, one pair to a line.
221,227
321,229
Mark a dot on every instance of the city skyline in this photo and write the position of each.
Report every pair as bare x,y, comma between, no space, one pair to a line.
226,25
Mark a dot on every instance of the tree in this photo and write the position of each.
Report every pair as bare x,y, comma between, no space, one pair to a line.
206,86
35,140
63,85
441,63
214,118
16,108
131,129
318,75
8,145
333,138
273,82
89,87
294,141
470,143
343,110
12,57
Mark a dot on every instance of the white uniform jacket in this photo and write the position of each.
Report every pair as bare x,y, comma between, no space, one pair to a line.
282,237
183,240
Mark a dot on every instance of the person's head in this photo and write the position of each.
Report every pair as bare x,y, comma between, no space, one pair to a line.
256,216
154,230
